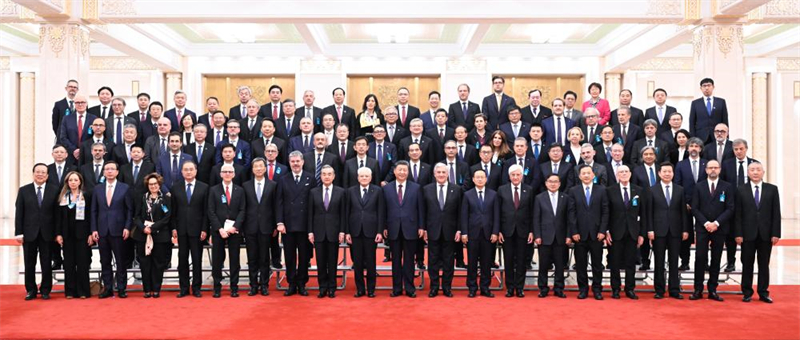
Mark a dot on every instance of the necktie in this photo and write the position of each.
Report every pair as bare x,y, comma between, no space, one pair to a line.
649,142
464,110
720,149
270,170
516,130
536,151
708,105
416,141
243,111
72,105
128,151
118,134
228,194
534,112
415,172
80,128
103,115
516,197
39,196
361,165
625,195
258,192
452,173
441,133
480,198
519,161
403,115
558,130
179,115
461,153
142,116
308,113
342,152
486,169
400,193
588,196
163,145
660,115
555,168
554,202
363,195
499,99
296,179
590,135
59,173
274,112
199,152
305,143
441,197
219,137
568,114
135,172
318,170
189,193
288,126
740,174
694,170
250,125
339,113
624,133
652,177
109,194
97,172
668,196
757,197
391,132
608,154
713,188
617,168
380,155
174,166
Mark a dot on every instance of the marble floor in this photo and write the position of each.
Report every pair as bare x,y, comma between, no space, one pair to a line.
784,267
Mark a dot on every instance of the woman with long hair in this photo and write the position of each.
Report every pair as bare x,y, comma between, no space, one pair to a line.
681,150
369,118
73,234
187,129
480,133
499,146
152,232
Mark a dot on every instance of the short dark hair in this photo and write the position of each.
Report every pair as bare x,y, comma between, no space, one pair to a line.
626,90
105,88
477,171
537,124
511,108
137,146
659,89
111,162
663,164
143,94
155,103
597,85
174,134
584,166
38,164
707,81
440,110
434,92
534,90
59,146
188,161
364,138
275,86
570,92
498,77
338,88
212,97
225,146
553,175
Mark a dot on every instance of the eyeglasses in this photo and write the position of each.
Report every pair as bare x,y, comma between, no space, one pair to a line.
720,131
226,172
79,103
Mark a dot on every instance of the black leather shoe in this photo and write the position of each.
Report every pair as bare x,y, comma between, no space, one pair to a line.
510,293
264,290
683,267
156,295
147,295
302,291
277,265
253,291
291,291
631,295
217,294
395,294
461,264
561,295
447,293
32,295
658,296
766,299
122,294
386,259
332,293
696,296
644,267
433,293
520,294
528,266
182,294
714,296
46,296
234,293
371,295
359,294
582,295
471,294
542,294
747,299
615,295
421,265
598,296
197,294
322,294
412,294
730,268
487,293
676,296
495,265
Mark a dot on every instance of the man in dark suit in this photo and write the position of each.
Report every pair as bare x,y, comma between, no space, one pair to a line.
722,148
170,163
589,231
688,173
308,110
535,112
304,141
558,166
157,144
440,132
288,125
111,221
757,228
228,152
314,160
734,171
457,171
496,104
406,112
661,112
149,127
274,109
103,110
227,208
466,151
516,234
430,153
66,106
250,125
218,129
515,127
259,226
359,161
134,172
707,112
531,173
175,115
243,152
553,218
116,122
141,115
33,229
75,128
462,112
661,147
342,146
327,223
394,132
537,149
342,114
202,152
636,115
382,151
93,171
442,206
405,220
599,170
494,172
617,155
627,217
712,207
669,223
366,219
480,226
97,136
121,153
627,131
241,111
189,226
292,217
57,170
555,128
675,123
267,136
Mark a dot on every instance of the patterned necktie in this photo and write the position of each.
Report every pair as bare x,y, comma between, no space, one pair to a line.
757,197
318,170
441,197
516,197
400,193
219,137
39,196
274,112
627,198
189,193
461,153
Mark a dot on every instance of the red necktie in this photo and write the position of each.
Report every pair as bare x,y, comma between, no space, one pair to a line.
228,194
339,113
274,112
80,128
271,171
516,197
403,116
178,114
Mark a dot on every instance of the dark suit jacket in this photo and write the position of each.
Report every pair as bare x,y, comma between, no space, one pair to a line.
147,129
651,113
266,110
243,152
335,149
463,176
430,153
68,131
30,219
350,175
407,216
411,113
684,177
310,165
257,148
119,154
240,175
348,117
708,208
173,117
292,201
326,224
52,173
98,111
161,214
236,113
590,219
86,150
456,116
424,174
634,133
220,209
673,155
442,223
531,173
763,221
164,168
637,116
248,134
495,176
471,156
433,134
110,220
296,144
543,113
260,217
641,177
594,139
662,151
553,228
189,218
565,174
730,170
701,124
399,133
630,218
137,187
389,157
516,221
316,116
89,180
480,219
59,110
601,177
549,130
524,131
672,218
280,127
366,217
710,151
111,127
497,115
205,163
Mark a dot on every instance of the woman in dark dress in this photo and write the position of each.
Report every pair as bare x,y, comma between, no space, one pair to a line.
153,234
73,234
369,118
680,152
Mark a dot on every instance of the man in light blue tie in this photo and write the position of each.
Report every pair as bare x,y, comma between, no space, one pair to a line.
706,112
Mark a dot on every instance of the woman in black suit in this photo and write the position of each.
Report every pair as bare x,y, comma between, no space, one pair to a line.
153,234
73,234
369,118
681,150
479,135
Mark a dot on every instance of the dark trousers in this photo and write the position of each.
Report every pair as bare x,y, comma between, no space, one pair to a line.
419,254
479,251
717,241
77,260
730,245
644,253
130,252
552,254
583,250
751,249
363,254
55,254
440,257
514,255
274,249
327,260
403,251
41,249
152,266
113,247
234,242
258,252
623,257
686,248
190,246
458,251
660,247
296,249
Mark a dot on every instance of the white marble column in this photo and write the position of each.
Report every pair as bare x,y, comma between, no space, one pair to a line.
27,150
759,123
174,83
613,86
719,55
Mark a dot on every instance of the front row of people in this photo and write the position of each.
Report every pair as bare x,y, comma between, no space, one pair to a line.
590,217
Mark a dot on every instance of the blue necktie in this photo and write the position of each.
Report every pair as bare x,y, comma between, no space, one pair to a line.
480,198
189,193
669,197
219,138
558,130
174,166
708,105
135,173
118,135
627,198
39,195
536,151
318,170
608,154
652,177
464,110
199,153
757,198
380,156
588,196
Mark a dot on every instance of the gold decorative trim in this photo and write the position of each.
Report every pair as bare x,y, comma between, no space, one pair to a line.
466,65
666,64
320,65
784,8
727,36
118,8
54,36
664,7
5,63
117,63
80,41
8,8
788,64
702,40
691,11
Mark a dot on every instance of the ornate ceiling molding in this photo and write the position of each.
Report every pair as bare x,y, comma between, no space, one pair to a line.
788,64
313,66
727,36
783,8
5,63
117,8
467,65
8,8
117,64
666,64
664,7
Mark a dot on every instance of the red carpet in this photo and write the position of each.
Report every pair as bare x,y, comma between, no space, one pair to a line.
297,317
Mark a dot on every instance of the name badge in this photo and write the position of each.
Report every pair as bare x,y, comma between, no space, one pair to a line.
722,197
594,180
260,134
635,201
526,172
477,145
102,179
66,112
239,156
89,131
80,210
318,121
569,158
278,170
620,141
597,138
389,156
224,199
164,208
